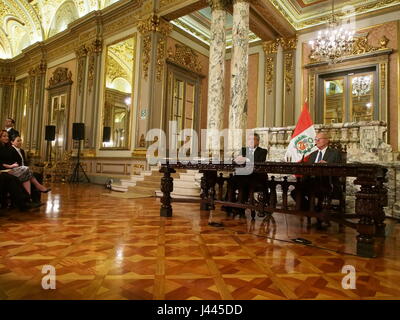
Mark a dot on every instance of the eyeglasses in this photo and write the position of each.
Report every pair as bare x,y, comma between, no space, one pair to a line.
317,139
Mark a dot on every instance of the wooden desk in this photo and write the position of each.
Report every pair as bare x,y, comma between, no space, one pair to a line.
370,200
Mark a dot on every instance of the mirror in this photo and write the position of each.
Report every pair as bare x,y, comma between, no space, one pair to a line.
333,100
119,74
58,118
362,98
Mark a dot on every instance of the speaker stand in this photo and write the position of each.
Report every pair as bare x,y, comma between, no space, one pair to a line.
75,173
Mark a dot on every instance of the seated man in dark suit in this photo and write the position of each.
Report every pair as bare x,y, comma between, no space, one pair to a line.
319,185
9,127
254,153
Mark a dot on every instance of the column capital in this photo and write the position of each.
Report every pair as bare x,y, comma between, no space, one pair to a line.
156,24
288,43
271,46
219,4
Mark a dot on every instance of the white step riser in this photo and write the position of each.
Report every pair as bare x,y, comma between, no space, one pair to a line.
176,196
186,184
119,188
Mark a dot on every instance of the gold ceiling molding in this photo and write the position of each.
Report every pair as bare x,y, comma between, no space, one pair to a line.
126,21
61,76
307,23
185,57
271,47
192,30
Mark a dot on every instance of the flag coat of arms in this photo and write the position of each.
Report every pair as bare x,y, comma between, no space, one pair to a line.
302,141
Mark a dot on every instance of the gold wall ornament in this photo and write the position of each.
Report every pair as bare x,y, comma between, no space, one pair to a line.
312,86
161,47
154,24
185,57
383,75
383,42
7,80
81,73
361,45
269,74
91,72
288,43
271,47
142,141
146,55
61,76
81,51
97,46
42,67
289,71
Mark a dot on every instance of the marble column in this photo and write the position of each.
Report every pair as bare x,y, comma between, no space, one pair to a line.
216,73
239,72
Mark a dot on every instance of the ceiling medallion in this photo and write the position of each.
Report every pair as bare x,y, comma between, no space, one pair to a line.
334,43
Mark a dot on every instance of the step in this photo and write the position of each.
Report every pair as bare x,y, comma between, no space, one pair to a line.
128,183
186,184
187,191
158,178
159,194
142,190
119,188
149,184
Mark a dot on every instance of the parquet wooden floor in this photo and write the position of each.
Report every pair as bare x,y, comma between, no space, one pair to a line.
109,248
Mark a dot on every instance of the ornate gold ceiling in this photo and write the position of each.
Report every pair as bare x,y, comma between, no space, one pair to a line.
24,22
198,24
302,14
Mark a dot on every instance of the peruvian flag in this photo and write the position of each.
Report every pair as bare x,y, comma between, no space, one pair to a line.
302,141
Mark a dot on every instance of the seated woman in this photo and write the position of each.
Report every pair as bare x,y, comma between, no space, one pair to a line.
14,159
10,185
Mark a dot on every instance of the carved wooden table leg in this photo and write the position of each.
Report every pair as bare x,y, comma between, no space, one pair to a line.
366,204
167,186
379,216
208,181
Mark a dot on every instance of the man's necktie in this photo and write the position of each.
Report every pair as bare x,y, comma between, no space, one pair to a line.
319,157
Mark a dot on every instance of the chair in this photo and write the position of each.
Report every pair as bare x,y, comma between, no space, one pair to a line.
336,199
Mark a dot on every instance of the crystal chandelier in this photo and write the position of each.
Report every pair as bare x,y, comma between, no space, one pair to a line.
361,86
332,44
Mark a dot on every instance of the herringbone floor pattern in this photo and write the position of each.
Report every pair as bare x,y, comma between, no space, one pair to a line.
109,248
